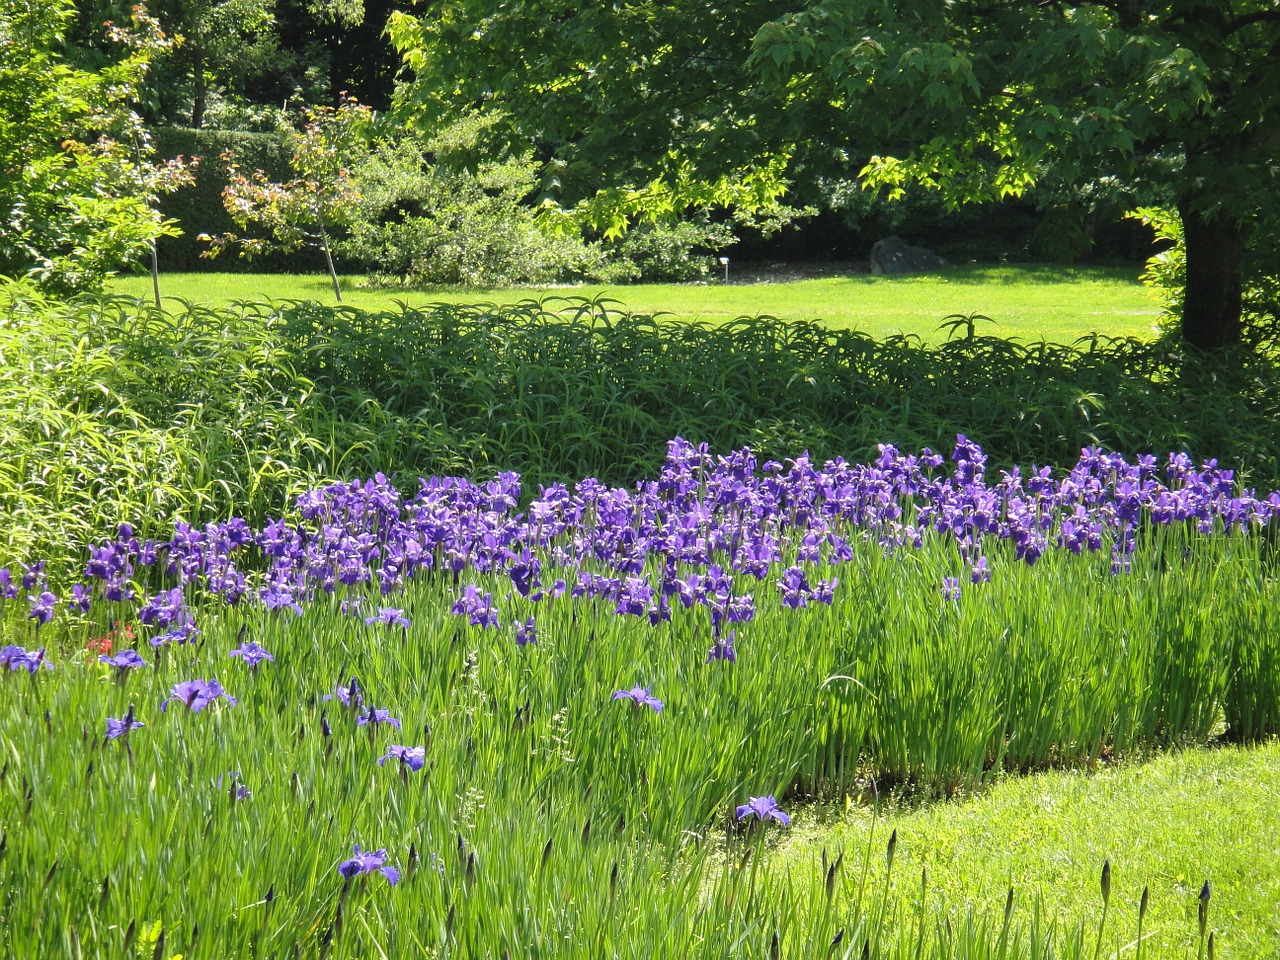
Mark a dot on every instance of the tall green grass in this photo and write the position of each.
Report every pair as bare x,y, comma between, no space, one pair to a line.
552,819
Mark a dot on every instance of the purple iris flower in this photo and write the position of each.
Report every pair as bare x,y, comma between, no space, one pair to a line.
183,633
349,696
639,697
80,598
197,694
763,808
980,573
42,607
389,616
477,608
368,862
237,790
528,633
19,658
414,758
950,588
252,653
280,598
795,588
376,716
119,727
124,661
723,648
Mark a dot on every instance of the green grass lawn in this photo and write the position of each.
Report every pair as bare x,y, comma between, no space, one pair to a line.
1169,824
1033,303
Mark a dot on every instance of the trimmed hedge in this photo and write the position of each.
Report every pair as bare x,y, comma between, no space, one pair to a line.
198,208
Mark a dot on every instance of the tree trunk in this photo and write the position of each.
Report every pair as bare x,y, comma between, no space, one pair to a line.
155,275
201,84
1211,304
328,259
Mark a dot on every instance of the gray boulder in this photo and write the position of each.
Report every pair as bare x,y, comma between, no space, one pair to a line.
892,256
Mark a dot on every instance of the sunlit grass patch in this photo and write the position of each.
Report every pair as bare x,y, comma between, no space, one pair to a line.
1031,303
1167,824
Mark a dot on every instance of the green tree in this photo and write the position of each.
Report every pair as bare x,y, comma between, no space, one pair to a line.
305,210
639,109
233,64
78,184
1174,103
1177,102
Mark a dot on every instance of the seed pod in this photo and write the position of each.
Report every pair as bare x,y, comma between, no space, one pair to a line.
1142,904
1105,883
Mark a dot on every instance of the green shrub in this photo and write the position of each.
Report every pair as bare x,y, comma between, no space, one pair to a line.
125,412
666,252
422,223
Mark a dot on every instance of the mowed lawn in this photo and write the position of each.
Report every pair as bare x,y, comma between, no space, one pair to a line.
1031,303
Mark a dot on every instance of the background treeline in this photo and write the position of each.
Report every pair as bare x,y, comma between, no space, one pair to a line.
245,73
1021,230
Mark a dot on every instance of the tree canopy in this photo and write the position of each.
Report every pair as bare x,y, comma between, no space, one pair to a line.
1174,103
78,184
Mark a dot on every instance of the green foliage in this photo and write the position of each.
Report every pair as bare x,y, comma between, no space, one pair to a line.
652,109
198,207
646,110
420,221
1166,272
78,186
427,218
230,49
981,102
321,195
657,251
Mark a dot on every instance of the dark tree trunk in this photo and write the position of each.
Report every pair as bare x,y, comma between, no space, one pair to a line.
200,82
1211,304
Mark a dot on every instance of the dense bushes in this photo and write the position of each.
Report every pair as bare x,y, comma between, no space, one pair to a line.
122,412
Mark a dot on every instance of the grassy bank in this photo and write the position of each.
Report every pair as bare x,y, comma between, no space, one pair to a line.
1167,825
